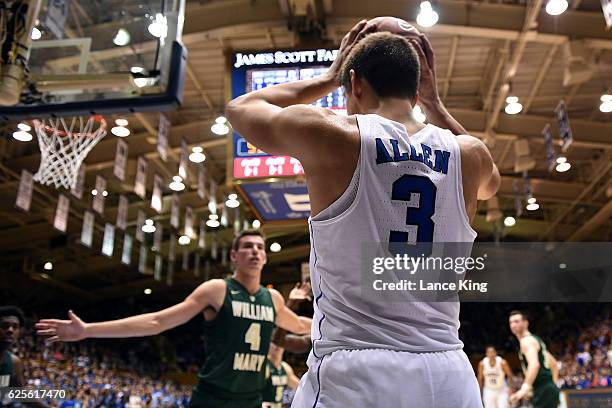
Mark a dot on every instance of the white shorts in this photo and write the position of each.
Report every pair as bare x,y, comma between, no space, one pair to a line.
386,378
493,398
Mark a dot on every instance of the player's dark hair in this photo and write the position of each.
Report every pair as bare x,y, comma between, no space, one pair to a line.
14,311
388,62
245,233
519,312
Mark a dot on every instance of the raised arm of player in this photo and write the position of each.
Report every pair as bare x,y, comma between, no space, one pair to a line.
277,120
480,375
286,318
529,348
208,294
292,380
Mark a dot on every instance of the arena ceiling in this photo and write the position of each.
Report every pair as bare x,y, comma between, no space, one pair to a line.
484,49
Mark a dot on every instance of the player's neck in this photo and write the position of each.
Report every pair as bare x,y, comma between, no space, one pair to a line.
398,110
526,333
250,282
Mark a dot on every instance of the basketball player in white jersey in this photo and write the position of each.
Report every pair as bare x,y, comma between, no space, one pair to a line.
492,373
362,171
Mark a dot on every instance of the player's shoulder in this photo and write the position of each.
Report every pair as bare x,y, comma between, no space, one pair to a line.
15,359
212,286
529,341
321,120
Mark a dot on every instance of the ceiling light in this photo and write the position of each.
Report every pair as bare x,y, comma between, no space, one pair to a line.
159,27
24,126
563,167
122,37
213,223
141,82
104,193
36,34
48,266
177,184
427,16
232,203
22,136
532,206
120,131
513,106
561,159
221,119
233,196
94,192
275,247
509,221
531,200
256,224
556,7
121,122
606,103
219,128
213,217
184,240
136,70
148,226
147,291
418,115
197,156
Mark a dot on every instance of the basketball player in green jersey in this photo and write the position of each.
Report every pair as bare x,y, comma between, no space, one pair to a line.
239,317
280,376
535,364
11,368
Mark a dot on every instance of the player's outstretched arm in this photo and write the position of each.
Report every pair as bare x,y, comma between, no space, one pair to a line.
286,318
277,120
148,324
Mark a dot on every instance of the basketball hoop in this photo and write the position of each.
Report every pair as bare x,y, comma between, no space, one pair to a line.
64,144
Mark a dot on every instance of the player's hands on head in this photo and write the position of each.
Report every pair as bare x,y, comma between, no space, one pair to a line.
62,330
428,88
301,291
356,34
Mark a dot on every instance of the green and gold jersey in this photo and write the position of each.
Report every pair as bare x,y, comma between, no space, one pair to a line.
236,344
6,369
544,375
277,381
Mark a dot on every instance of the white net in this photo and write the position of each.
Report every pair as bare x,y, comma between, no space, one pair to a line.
64,144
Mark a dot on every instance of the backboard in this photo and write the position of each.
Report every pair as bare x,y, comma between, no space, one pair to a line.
94,57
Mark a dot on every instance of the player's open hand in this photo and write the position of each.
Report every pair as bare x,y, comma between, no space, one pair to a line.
62,330
301,291
356,34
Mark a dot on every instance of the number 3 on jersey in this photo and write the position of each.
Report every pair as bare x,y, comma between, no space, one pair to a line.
253,336
419,216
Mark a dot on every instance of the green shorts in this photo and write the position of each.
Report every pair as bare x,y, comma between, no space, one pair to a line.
546,396
201,400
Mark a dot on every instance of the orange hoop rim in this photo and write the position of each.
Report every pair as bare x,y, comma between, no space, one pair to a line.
62,133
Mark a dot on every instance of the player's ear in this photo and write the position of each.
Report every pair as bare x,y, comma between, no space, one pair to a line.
356,87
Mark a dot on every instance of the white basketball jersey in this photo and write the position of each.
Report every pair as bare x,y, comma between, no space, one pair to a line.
426,167
494,377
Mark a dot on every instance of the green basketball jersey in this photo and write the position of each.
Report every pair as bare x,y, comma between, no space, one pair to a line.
236,344
273,392
544,375
6,369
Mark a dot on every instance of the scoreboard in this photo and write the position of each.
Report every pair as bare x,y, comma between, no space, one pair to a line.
272,184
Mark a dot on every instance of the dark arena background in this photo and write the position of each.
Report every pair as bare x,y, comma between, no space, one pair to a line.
123,185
